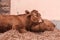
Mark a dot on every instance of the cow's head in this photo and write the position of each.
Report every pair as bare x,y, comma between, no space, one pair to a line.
35,16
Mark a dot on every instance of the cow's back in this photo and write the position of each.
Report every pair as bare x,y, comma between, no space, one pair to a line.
12,19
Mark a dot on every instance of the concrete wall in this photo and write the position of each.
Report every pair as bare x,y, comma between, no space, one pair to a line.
49,9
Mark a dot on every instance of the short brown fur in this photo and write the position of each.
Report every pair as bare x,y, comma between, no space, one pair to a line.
17,22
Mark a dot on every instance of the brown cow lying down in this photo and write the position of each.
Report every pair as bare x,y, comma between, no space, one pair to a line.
45,25
19,22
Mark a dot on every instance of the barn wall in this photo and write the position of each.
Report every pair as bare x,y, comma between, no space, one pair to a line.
49,9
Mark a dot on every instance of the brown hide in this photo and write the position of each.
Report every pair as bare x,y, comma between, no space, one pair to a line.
19,22
13,20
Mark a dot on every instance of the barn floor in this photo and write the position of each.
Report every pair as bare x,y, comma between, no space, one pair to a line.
15,35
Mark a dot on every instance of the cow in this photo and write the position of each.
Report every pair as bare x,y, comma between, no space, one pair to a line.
19,22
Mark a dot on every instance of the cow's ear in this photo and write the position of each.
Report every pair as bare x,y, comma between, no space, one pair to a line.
29,16
27,12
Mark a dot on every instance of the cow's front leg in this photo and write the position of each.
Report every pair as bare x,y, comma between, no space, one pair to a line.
21,29
14,27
